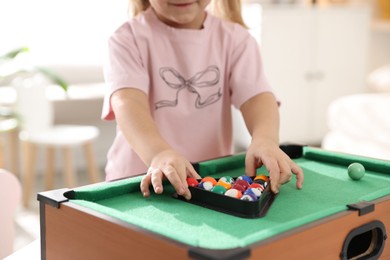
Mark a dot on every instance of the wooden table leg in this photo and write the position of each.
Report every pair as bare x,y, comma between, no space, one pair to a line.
49,173
92,168
13,151
68,167
28,170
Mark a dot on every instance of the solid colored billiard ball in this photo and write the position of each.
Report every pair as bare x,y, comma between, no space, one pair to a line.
192,182
210,179
249,197
234,193
243,183
219,189
239,187
245,178
356,171
206,185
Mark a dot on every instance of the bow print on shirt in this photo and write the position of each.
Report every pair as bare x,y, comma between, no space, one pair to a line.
203,79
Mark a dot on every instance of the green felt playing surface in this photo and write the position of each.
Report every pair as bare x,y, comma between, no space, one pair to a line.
327,190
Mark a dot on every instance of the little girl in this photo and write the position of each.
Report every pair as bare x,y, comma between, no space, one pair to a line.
173,72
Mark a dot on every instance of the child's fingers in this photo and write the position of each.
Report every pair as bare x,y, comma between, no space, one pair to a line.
144,186
191,172
274,174
250,166
285,172
178,180
156,178
275,184
299,175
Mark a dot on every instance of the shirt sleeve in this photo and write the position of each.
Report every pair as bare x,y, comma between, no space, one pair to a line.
123,67
247,77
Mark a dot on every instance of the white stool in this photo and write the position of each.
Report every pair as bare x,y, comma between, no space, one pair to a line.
38,130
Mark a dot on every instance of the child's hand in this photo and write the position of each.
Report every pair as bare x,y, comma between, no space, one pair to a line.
278,164
173,166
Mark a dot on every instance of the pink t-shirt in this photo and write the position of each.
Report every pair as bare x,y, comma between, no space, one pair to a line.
192,78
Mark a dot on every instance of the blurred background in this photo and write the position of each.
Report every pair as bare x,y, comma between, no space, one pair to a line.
328,61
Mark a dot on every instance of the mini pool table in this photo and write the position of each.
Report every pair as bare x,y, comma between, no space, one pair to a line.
332,217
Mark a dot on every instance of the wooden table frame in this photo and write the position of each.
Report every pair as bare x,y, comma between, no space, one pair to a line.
69,231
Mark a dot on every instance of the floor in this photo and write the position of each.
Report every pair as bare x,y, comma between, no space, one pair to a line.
27,226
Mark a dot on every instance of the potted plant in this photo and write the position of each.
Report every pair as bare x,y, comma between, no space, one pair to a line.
12,68
8,72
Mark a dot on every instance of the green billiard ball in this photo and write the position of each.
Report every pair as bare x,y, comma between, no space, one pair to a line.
356,171
218,189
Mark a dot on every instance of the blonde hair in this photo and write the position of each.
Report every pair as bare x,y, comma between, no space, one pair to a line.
229,10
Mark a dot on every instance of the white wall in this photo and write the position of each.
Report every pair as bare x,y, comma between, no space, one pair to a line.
380,47
58,31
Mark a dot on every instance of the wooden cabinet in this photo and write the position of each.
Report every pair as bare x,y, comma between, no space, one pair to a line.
311,56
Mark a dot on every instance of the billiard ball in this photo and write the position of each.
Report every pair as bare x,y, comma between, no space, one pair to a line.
249,197
356,171
192,182
227,179
206,185
225,184
261,177
245,178
234,193
253,191
239,187
209,179
262,182
256,185
219,189
243,183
